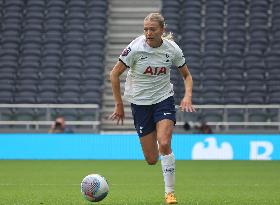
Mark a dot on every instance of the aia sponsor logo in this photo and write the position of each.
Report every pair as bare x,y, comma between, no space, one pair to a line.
155,71
126,51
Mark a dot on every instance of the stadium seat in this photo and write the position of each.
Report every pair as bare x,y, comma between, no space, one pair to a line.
47,97
258,19
6,114
210,57
171,12
214,6
234,73
255,86
235,115
212,115
24,114
48,86
214,46
233,95
273,115
233,56
257,115
25,97
214,20
71,74
235,32
272,99
87,115
256,71
44,41
258,6
69,114
256,98
253,57
56,4
69,96
235,100
100,4
91,97
236,19
6,96
192,47
70,87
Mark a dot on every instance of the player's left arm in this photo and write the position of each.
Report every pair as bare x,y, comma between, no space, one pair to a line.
186,102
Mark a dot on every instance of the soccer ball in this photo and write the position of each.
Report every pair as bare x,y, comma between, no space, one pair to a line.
94,187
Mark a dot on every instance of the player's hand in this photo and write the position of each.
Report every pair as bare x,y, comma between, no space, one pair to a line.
118,114
186,104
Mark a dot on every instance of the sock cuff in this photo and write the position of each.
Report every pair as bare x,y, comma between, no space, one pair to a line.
168,159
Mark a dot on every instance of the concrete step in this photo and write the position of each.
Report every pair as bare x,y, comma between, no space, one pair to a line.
128,35
114,52
122,38
120,28
125,21
135,9
125,24
132,4
119,46
131,15
108,99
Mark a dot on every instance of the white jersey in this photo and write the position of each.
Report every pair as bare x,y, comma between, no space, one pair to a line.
148,78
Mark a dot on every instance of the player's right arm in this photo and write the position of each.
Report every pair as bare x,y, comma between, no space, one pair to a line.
115,74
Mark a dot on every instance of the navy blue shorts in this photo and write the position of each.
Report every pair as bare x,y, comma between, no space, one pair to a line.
146,116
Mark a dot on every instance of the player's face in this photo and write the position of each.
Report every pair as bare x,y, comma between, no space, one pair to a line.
153,32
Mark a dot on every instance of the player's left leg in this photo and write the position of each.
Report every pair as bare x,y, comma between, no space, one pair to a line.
164,134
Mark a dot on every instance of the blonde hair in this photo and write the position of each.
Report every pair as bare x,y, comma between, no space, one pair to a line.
159,18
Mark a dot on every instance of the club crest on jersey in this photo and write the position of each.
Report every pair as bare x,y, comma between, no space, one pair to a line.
155,71
126,51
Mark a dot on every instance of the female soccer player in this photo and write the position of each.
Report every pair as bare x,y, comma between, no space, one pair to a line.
149,59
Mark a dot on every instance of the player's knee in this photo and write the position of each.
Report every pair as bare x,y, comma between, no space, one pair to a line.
164,146
152,160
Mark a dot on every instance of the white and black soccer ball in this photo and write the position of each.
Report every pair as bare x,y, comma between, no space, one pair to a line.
94,187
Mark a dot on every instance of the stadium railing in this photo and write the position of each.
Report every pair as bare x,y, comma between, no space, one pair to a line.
182,117
93,125
37,124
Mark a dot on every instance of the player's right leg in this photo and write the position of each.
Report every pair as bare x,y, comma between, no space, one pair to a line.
150,147
146,130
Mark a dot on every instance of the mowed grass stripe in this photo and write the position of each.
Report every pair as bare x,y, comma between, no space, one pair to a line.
134,182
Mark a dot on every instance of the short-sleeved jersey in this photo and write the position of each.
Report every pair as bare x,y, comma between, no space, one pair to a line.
148,78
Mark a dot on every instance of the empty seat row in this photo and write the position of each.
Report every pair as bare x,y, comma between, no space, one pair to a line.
52,41
228,43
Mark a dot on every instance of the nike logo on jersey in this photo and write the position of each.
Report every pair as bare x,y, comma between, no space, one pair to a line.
143,57
167,56
167,113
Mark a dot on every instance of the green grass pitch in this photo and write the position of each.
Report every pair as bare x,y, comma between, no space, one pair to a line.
134,182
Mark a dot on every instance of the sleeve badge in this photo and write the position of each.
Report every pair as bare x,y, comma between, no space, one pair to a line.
126,51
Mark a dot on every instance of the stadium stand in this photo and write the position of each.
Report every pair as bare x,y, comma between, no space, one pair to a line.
49,50
52,52
50,40
232,49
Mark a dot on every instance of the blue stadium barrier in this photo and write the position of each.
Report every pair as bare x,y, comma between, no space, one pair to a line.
127,147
